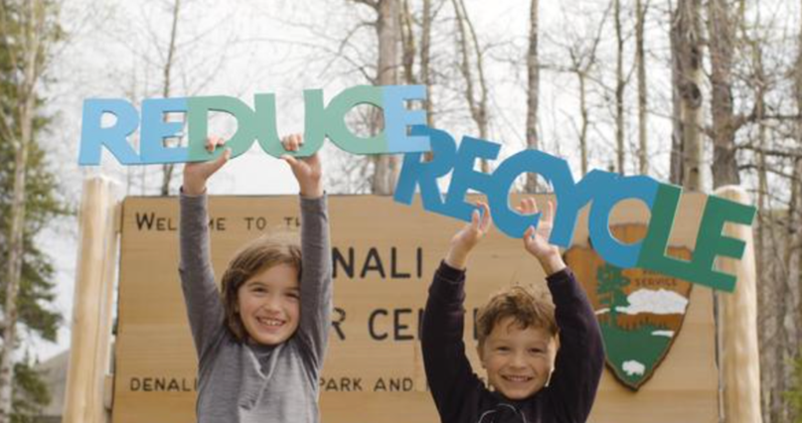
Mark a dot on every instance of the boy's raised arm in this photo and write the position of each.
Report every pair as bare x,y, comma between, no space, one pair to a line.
448,370
316,273
580,359
204,309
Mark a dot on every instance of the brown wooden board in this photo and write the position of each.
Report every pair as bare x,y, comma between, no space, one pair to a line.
373,377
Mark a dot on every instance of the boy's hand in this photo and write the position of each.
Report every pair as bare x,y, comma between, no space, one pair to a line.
463,241
197,173
307,170
536,241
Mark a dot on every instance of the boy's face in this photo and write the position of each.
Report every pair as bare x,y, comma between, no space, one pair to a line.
518,361
269,304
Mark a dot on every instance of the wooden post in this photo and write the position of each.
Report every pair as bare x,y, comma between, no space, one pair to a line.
739,359
92,306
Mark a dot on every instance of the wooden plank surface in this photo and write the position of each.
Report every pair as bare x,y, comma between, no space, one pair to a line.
380,352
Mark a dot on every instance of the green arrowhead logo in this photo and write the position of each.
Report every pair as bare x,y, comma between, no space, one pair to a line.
640,311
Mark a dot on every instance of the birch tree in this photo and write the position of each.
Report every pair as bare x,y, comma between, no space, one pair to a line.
167,169
26,38
620,87
532,91
385,167
686,58
643,92
721,33
468,44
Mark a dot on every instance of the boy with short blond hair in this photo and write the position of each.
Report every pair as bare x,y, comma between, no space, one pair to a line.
543,361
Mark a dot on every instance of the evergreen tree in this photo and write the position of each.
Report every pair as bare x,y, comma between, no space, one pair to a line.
611,289
35,311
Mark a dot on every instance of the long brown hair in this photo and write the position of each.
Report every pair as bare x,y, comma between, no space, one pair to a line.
255,257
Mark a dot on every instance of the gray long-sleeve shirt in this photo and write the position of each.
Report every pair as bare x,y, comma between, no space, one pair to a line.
240,382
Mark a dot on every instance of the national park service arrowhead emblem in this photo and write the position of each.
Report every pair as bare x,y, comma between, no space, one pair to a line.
640,311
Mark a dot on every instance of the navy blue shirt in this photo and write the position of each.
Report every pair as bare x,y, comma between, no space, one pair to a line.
459,394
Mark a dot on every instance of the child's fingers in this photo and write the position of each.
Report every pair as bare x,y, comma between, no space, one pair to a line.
529,235
213,142
292,142
475,219
210,144
549,216
532,205
487,217
221,161
292,161
287,143
526,206
298,139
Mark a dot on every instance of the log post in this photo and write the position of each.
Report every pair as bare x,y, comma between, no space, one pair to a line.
739,356
96,271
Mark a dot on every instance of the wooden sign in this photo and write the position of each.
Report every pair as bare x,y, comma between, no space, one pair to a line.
384,256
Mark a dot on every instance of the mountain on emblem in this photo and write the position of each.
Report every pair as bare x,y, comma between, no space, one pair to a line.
640,312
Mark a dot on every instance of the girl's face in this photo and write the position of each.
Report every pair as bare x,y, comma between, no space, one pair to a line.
269,304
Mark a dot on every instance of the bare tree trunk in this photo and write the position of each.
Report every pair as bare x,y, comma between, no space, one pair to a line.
582,62
798,175
583,110
761,255
30,47
687,145
532,92
167,169
478,108
643,95
721,35
762,258
676,165
781,338
408,50
425,72
425,59
620,86
386,167
795,234
764,262
781,350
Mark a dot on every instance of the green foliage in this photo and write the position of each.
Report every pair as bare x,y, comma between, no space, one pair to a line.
31,394
42,207
43,203
611,289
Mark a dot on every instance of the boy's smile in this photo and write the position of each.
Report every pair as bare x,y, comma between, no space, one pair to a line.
518,361
269,304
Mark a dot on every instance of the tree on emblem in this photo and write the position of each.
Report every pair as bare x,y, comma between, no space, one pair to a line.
610,290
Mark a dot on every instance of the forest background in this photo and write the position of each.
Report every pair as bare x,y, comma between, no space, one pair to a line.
701,93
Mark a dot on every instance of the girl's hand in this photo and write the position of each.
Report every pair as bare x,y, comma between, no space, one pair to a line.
197,173
307,170
469,236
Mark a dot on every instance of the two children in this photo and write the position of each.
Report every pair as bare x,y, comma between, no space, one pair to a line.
543,361
261,341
